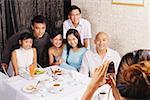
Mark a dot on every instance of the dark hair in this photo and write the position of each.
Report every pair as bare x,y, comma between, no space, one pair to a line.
77,35
25,36
132,81
73,7
55,33
38,19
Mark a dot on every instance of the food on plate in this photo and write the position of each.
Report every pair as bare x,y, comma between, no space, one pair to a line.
57,71
56,88
30,88
56,84
39,71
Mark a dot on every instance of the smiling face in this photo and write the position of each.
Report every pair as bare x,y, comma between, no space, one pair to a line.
39,29
101,41
57,41
75,16
27,43
72,40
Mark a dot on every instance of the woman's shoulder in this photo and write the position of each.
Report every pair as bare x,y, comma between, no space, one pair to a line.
83,49
51,49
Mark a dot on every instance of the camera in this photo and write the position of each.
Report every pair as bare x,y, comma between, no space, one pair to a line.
111,68
110,71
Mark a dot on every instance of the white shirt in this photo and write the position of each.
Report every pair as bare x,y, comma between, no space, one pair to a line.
24,58
84,28
92,60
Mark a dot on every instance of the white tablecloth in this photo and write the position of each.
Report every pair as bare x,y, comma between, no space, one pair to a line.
74,84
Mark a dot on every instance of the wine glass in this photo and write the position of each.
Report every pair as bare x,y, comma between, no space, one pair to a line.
42,92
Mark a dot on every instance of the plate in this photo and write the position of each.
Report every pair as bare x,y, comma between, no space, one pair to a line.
57,71
30,88
55,88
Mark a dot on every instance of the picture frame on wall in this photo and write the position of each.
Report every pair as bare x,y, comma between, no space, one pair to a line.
129,2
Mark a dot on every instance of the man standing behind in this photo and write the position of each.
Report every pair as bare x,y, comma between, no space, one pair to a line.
76,22
41,42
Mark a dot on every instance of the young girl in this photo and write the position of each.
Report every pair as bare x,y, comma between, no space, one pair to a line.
23,57
55,51
74,51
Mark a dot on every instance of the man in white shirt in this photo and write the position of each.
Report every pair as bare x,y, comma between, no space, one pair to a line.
98,55
76,22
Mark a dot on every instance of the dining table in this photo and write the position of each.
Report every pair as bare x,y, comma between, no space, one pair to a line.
66,85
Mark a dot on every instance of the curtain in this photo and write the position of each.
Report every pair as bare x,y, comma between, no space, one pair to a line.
17,14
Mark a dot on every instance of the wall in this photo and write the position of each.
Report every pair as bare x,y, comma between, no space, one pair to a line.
128,26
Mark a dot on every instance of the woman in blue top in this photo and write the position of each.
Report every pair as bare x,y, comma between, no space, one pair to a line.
73,53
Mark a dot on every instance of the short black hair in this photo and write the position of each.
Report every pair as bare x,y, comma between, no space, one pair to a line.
38,19
73,7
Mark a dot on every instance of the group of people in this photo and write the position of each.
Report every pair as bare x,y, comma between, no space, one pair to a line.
18,51
35,46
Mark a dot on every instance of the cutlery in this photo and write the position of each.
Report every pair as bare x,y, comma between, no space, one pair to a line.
39,65
51,69
37,84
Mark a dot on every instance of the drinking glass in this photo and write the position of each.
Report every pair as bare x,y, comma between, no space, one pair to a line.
32,70
42,92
